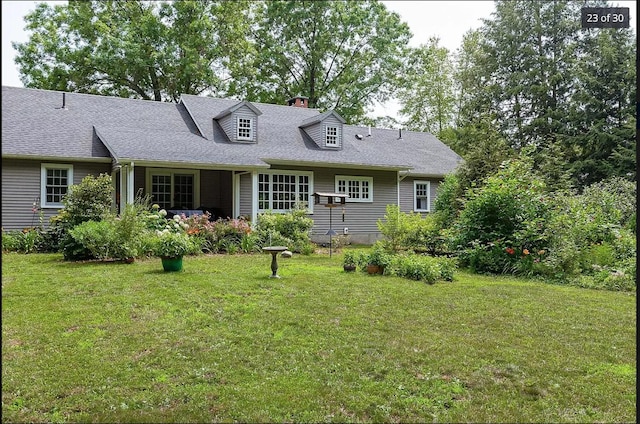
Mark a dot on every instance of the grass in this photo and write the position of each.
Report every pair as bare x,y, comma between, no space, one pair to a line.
220,341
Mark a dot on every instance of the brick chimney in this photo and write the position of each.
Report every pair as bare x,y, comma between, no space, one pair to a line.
299,101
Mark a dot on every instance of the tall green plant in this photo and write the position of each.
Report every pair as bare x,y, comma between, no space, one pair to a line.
88,201
504,219
394,228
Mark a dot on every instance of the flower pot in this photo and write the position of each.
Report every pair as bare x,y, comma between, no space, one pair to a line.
374,269
172,264
349,268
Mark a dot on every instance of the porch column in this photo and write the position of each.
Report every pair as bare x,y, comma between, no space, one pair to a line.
123,186
254,197
130,185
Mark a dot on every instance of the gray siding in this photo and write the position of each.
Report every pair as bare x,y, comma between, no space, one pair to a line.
227,126
21,186
245,195
359,218
406,193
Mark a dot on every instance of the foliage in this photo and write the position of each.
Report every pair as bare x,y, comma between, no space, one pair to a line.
114,237
291,229
508,212
448,202
394,228
172,244
351,257
483,149
95,236
422,268
589,234
531,74
25,241
426,92
147,50
379,256
88,201
342,55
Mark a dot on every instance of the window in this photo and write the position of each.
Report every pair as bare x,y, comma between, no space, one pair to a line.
55,180
421,196
331,136
280,192
245,128
177,189
359,189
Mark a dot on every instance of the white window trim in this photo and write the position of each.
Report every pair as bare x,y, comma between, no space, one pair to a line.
415,196
172,171
283,172
43,183
348,178
337,136
251,128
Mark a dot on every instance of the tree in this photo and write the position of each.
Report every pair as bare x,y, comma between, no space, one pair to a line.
602,113
342,55
139,49
427,95
547,85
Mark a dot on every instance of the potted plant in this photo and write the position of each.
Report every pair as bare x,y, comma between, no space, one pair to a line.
377,260
349,260
171,246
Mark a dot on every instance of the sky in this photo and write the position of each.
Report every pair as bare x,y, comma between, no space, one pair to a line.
448,20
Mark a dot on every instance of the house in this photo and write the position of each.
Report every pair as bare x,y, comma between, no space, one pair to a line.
233,158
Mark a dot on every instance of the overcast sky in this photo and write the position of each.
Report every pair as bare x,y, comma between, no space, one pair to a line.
449,20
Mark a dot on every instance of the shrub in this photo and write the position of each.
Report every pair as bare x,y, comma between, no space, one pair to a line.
95,236
25,241
422,268
171,244
88,201
589,234
508,212
394,228
448,203
291,229
425,235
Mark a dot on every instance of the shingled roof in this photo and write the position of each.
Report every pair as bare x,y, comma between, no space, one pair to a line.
92,127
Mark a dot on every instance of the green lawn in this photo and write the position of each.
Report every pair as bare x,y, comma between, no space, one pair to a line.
220,341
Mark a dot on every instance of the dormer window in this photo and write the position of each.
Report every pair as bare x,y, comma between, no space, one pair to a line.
245,128
325,130
240,122
331,136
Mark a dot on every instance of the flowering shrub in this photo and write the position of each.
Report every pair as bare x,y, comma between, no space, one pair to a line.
171,244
